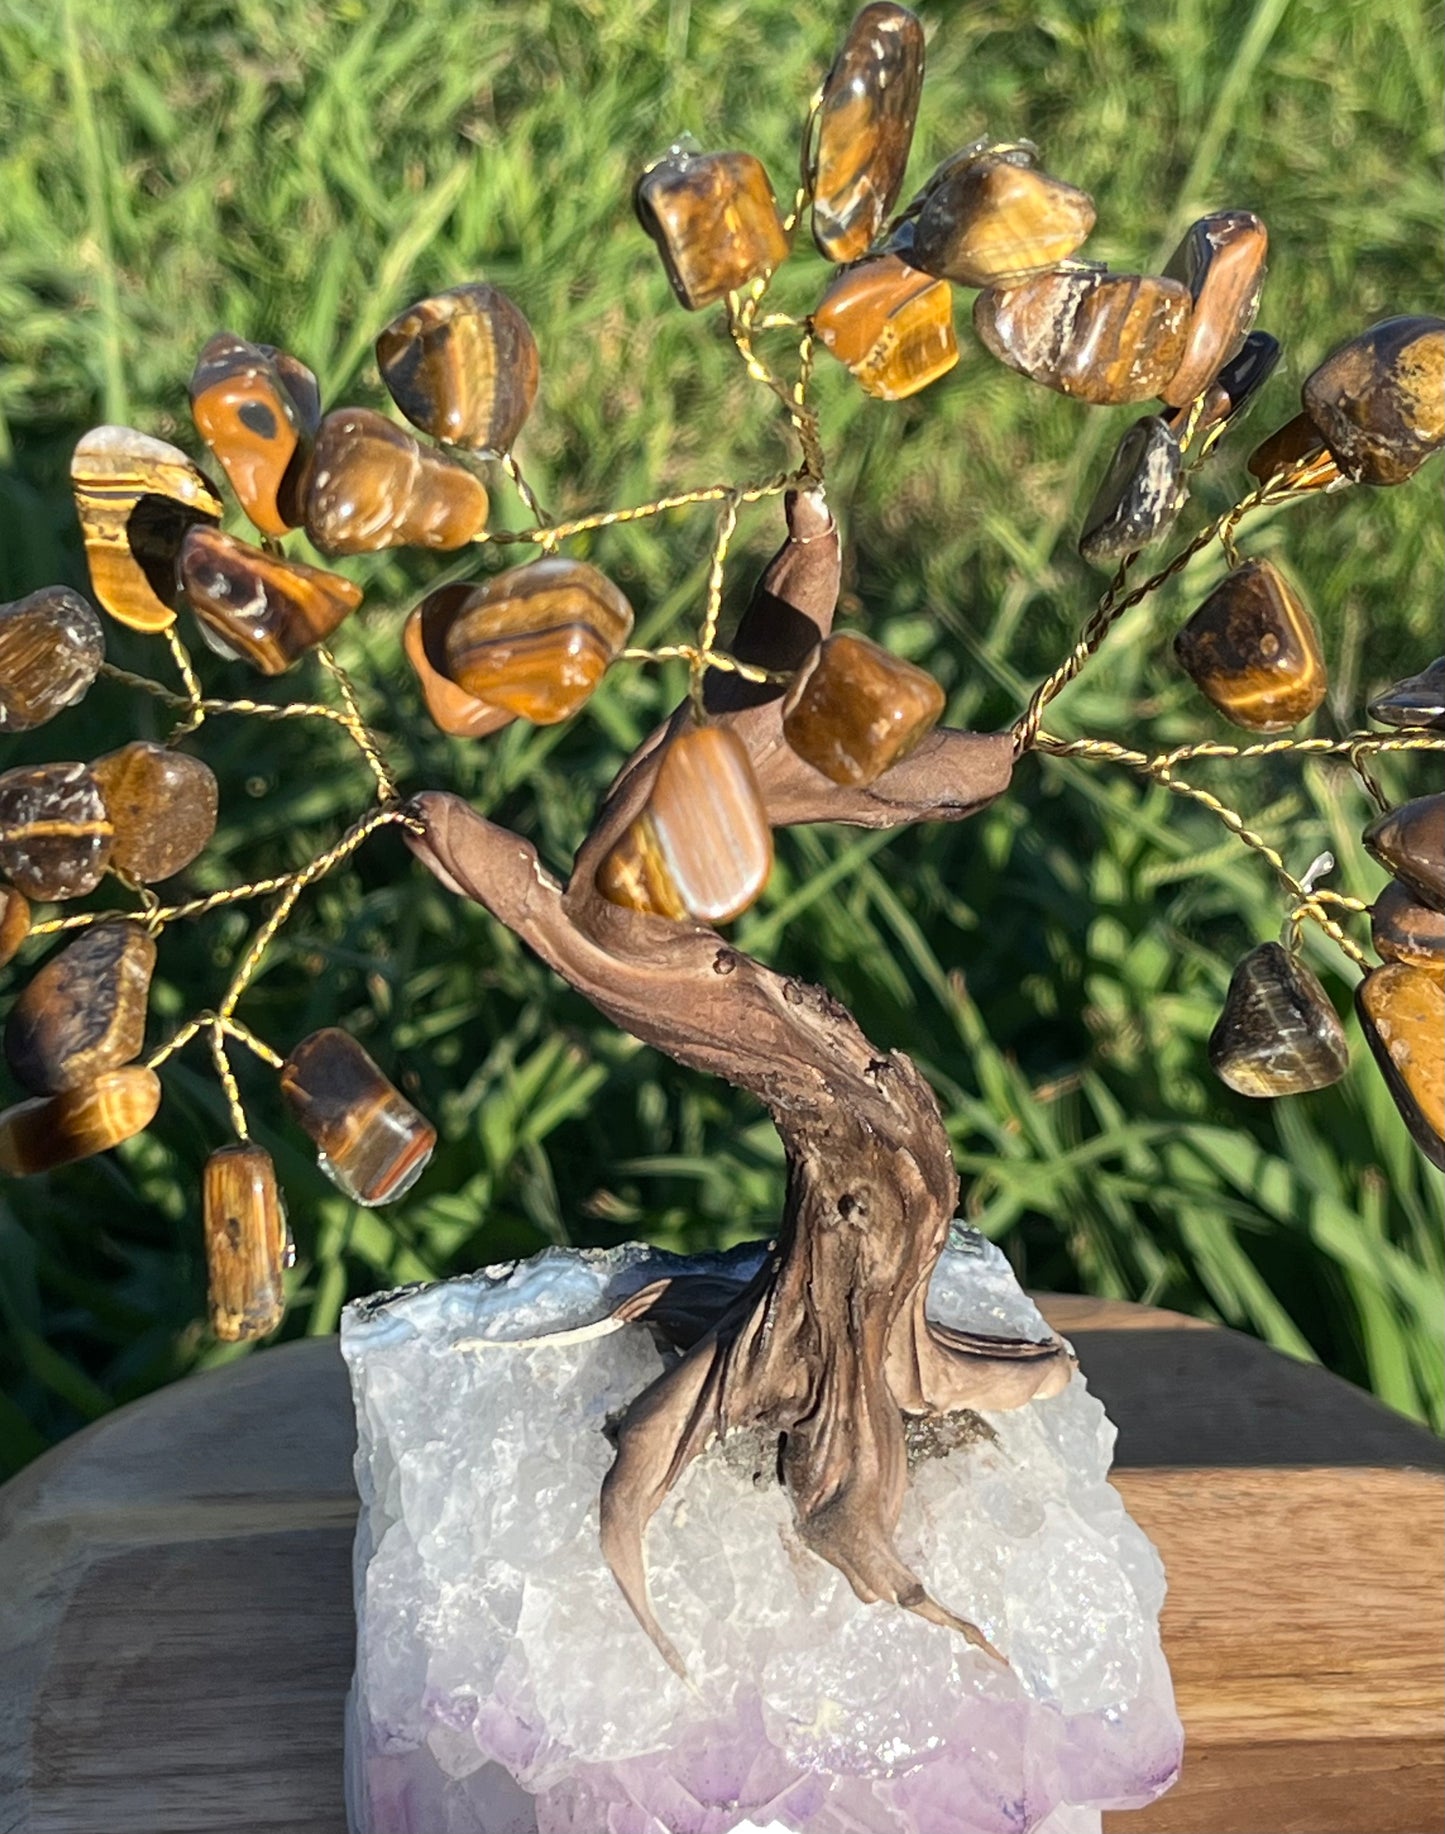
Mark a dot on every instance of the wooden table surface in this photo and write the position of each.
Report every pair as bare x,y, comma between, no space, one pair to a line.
176,1627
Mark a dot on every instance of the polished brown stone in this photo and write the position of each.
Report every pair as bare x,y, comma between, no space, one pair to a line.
51,649
463,367
859,709
1409,841
702,846
535,640
996,220
371,486
1379,401
1298,441
1253,649
423,642
84,1011
248,1243
370,1141
1404,930
55,834
162,805
1419,700
56,1130
14,922
136,498
865,129
255,607
244,407
891,325
715,221
1100,337
1231,392
1222,262
1402,1014
1278,1033
1139,497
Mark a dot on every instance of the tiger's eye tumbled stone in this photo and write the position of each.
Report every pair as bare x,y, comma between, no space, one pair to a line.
702,847
536,640
55,834
424,643
1419,700
463,367
1379,401
1222,262
1404,930
865,128
1231,391
85,1010
1278,1033
162,805
1402,1013
51,649
371,485
891,325
1139,496
1297,442
248,1244
14,922
715,221
255,607
370,1141
1100,337
56,1130
1409,841
248,416
859,709
136,498
1254,650
992,221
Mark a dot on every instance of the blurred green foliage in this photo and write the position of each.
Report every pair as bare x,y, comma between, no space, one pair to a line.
297,174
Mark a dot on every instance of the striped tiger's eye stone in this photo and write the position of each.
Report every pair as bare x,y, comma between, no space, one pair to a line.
370,1142
1222,262
248,1243
1419,700
859,709
1379,401
253,423
891,325
136,498
1100,337
14,922
1253,649
993,221
1278,1033
865,129
162,805
702,847
1139,497
371,486
1404,930
84,1012
51,649
56,1130
1230,393
1409,841
55,834
424,643
463,367
255,607
715,221
536,640
1402,1013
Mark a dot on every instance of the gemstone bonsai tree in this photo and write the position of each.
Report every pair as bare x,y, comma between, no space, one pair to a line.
793,722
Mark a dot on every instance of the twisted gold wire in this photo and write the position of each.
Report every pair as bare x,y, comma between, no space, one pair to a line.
361,734
195,705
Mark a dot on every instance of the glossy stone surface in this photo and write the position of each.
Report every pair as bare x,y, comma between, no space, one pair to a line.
245,409
462,366
51,649
1139,496
702,847
1419,700
162,804
1409,841
1293,443
1404,930
1379,401
255,607
136,498
1278,1033
1222,261
371,486
865,129
715,221
535,640
996,221
248,1243
859,709
56,1130
423,642
891,325
1402,1013
1231,392
55,834
84,1011
1100,337
370,1141
1253,649
14,922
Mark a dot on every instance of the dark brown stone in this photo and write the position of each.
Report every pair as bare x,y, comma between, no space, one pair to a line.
1278,1033
51,649
1419,700
56,1130
1409,841
162,805
370,1141
14,922
1253,648
865,129
1139,496
1222,262
1404,930
371,486
1298,441
1230,393
991,221
84,1012
255,607
1100,337
859,709
248,1243
55,834
1379,401
715,221
463,367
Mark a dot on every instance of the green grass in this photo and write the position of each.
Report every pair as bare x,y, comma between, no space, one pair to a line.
299,173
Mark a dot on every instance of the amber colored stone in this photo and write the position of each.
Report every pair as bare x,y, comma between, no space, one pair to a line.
136,498
992,221
1402,1013
14,922
56,1130
1298,441
51,649
371,486
865,129
249,418
859,709
1100,337
536,640
1404,930
1379,401
715,221
1419,700
370,1141
162,805
1278,1033
84,1012
55,834
424,643
1253,649
463,367
1139,496
1409,841
702,846
256,607
248,1243
891,325
1222,262
1230,393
